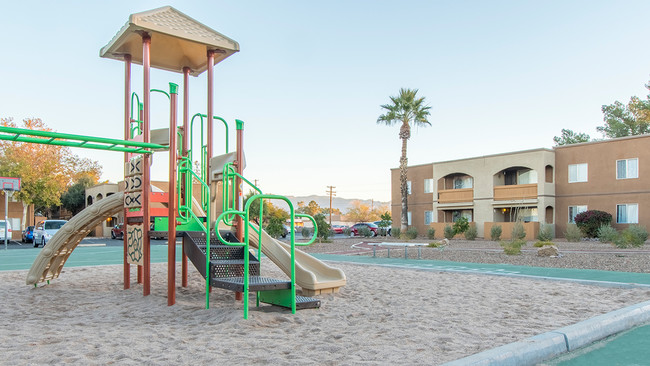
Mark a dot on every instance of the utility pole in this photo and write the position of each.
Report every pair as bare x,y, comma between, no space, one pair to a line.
331,192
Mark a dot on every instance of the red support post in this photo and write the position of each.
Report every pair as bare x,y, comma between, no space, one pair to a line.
171,203
146,174
210,111
127,136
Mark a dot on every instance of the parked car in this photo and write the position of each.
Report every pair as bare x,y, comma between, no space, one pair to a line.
28,235
338,229
370,225
117,232
5,224
45,230
285,232
384,228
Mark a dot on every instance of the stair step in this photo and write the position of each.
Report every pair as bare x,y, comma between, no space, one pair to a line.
255,283
303,302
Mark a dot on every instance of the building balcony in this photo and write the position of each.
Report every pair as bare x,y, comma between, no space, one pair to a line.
456,195
516,192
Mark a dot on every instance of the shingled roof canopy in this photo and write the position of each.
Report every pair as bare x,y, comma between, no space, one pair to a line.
177,41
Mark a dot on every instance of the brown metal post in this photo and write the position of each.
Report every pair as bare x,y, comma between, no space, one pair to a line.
186,141
127,136
238,182
171,203
210,113
141,118
146,174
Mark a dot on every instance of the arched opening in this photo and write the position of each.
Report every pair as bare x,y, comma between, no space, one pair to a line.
549,174
515,175
99,196
89,201
549,214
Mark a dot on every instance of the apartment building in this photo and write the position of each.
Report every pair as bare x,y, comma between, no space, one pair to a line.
540,186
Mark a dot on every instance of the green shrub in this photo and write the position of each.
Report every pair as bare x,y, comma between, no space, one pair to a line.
434,245
449,232
518,231
395,232
324,229
384,224
365,231
412,233
633,236
461,225
541,243
573,234
471,233
607,234
495,233
275,228
590,221
306,233
545,233
513,247
347,231
431,233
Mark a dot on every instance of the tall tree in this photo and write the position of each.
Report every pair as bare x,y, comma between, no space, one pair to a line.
312,208
45,170
569,137
626,120
408,110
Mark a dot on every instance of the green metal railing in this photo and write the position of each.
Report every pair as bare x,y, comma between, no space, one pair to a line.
245,215
67,139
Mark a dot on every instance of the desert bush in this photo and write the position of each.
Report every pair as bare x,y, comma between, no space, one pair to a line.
395,232
324,229
513,247
495,232
365,232
306,232
545,233
590,221
449,232
573,233
461,225
633,236
518,231
431,233
347,231
607,234
541,243
471,233
412,233
274,227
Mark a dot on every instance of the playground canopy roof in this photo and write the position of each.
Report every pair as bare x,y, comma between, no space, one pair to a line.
177,41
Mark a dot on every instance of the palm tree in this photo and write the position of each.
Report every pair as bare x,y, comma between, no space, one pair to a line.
408,110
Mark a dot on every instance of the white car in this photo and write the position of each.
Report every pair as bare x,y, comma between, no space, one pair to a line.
45,229
5,225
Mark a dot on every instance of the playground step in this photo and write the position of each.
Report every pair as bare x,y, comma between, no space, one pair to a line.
255,283
283,298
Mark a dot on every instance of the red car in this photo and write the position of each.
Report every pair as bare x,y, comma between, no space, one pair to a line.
356,227
338,229
117,232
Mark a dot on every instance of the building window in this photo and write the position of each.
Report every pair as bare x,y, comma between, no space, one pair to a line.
463,182
526,177
627,213
577,173
627,168
428,217
408,186
428,186
408,218
574,211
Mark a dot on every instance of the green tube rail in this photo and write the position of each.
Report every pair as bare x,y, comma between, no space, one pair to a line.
71,140
245,215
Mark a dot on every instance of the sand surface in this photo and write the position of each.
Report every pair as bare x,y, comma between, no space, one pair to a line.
383,316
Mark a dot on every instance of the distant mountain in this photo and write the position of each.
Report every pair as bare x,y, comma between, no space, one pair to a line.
342,204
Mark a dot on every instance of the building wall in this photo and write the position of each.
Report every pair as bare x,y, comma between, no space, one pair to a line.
15,215
602,191
99,192
418,201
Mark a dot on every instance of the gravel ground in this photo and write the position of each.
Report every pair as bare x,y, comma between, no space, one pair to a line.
585,254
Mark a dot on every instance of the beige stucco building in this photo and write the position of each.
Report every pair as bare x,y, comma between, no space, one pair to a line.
540,186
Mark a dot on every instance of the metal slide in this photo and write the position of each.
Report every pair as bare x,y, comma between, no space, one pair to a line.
312,275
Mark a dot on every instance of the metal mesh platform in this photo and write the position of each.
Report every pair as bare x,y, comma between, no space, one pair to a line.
255,283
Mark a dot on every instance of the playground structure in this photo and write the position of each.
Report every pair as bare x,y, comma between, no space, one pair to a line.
167,39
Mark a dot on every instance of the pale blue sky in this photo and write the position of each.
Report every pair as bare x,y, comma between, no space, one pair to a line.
499,75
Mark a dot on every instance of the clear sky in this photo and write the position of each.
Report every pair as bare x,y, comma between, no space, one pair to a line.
310,78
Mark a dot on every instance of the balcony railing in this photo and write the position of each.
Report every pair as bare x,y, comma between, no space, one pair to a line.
456,195
515,192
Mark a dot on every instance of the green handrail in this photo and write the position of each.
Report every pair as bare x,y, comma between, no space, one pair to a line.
245,214
225,124
66,139
137,121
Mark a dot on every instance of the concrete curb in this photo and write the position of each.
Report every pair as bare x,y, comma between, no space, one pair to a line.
534,350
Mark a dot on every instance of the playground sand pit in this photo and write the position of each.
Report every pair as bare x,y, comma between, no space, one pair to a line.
382,316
